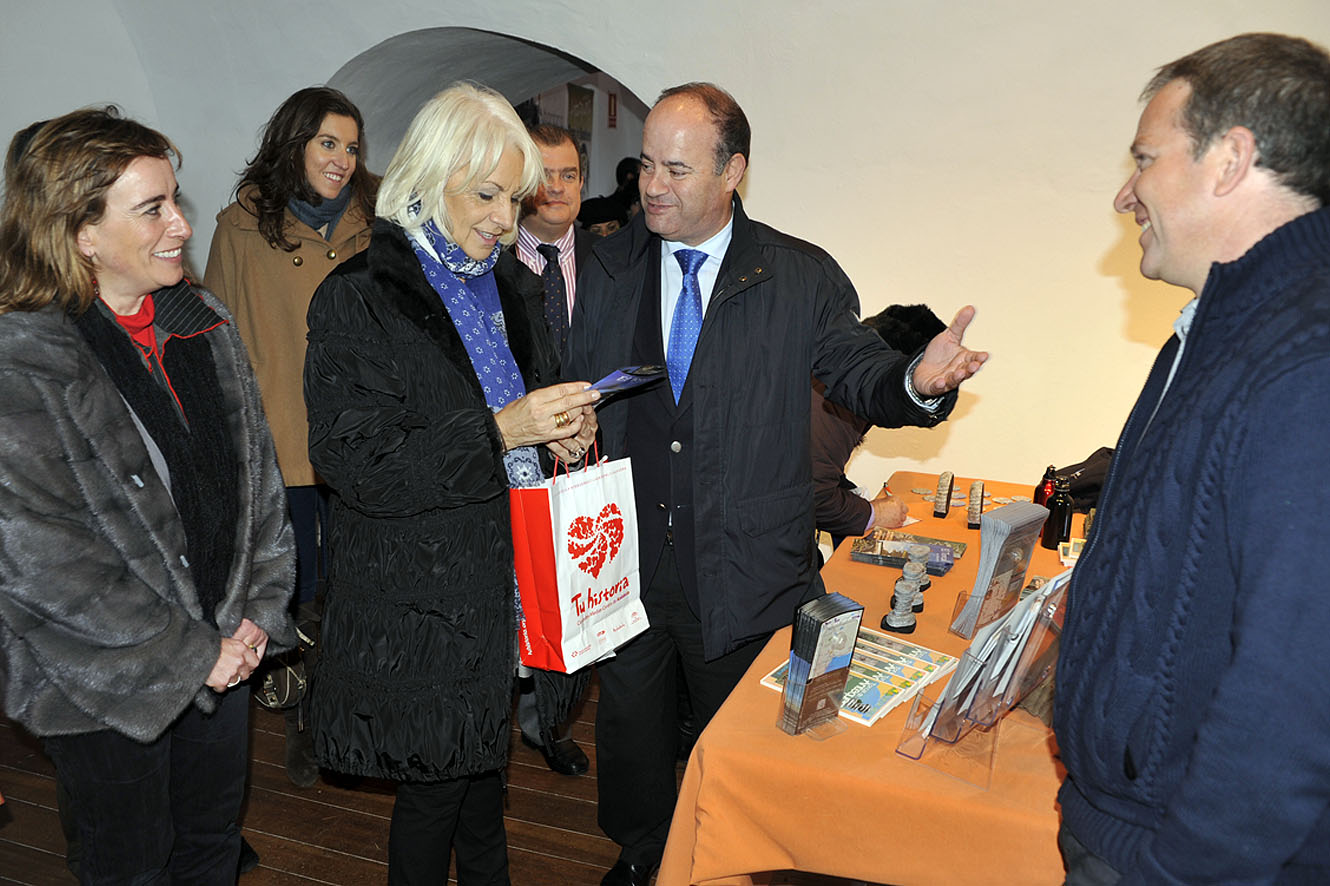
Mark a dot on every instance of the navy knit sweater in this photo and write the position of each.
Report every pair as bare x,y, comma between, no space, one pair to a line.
1193,696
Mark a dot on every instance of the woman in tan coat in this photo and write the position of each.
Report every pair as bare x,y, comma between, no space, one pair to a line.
303,206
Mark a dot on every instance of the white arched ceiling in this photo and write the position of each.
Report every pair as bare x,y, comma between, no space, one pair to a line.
391,80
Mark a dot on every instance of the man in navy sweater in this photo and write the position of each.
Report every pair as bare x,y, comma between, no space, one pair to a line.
1193,707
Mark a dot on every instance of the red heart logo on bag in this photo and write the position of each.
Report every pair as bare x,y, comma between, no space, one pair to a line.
596,541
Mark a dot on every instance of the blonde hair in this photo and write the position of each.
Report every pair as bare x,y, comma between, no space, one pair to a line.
57,185
464,129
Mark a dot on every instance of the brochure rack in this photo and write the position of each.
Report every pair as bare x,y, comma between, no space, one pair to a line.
954,729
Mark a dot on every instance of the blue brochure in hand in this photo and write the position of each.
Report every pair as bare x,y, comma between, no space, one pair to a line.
628,377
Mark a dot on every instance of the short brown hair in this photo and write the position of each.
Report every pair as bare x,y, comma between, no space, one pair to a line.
733,134
58,185
550,136
1276,86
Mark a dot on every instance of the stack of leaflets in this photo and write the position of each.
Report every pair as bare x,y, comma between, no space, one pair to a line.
820,650
884,672
1007,537
886,547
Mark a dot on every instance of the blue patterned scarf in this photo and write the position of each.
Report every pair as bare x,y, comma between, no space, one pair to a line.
471,297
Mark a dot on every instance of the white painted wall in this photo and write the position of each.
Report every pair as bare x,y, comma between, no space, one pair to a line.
94,63
947,152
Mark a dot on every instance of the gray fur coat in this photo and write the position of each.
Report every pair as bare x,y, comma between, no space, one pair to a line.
100,623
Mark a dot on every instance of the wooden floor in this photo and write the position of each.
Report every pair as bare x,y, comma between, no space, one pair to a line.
335,832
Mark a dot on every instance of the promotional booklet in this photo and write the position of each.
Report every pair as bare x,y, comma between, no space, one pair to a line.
878,549
628,377
819,664
958,548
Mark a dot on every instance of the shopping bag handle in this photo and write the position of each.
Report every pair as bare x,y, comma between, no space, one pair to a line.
586,460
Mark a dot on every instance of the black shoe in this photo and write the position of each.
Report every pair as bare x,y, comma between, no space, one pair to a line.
562,755
301,767
249,859
625,874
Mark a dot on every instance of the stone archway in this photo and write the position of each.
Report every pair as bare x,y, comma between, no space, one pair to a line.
391,80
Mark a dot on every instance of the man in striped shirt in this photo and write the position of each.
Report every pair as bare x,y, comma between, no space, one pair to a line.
554,248
548,241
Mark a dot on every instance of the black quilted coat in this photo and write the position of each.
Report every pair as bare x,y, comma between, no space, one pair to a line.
415,674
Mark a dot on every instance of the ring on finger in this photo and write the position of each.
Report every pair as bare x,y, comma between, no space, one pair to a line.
561,419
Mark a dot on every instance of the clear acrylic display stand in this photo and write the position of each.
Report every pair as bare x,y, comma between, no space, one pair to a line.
821,732
968,753
954,729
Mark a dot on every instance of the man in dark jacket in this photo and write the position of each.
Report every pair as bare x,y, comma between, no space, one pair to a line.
554,249
1191,693
837,432
741,315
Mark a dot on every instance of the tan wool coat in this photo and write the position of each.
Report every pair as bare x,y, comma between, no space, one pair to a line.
269,290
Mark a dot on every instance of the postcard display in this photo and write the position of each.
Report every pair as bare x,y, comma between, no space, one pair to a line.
884,671
952,729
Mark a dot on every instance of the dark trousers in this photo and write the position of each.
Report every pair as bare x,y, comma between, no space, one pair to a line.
162,812
430,820
308,507
637,729
1084,868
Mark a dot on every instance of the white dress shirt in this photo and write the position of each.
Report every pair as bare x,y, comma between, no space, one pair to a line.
671,275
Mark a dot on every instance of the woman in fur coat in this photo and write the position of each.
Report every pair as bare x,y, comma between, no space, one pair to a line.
145,554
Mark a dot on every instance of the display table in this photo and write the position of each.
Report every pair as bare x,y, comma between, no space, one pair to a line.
754,799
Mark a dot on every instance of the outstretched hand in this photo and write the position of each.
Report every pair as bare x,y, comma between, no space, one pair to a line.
946,362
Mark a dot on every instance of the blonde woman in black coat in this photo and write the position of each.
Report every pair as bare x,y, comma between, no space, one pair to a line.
430,379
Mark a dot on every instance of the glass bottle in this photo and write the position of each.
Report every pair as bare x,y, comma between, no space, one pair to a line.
1060,506
1045,487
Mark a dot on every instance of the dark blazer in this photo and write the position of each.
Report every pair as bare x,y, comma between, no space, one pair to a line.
836,433
415,674
583,240
781,308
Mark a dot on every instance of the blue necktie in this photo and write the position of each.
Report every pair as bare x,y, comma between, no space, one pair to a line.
687,320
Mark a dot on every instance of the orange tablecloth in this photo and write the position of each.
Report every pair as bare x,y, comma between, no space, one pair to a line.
755,799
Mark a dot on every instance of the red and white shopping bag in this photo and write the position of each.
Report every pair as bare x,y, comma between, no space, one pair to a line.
575,552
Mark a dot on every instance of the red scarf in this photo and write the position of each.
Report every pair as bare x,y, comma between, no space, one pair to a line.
139,327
